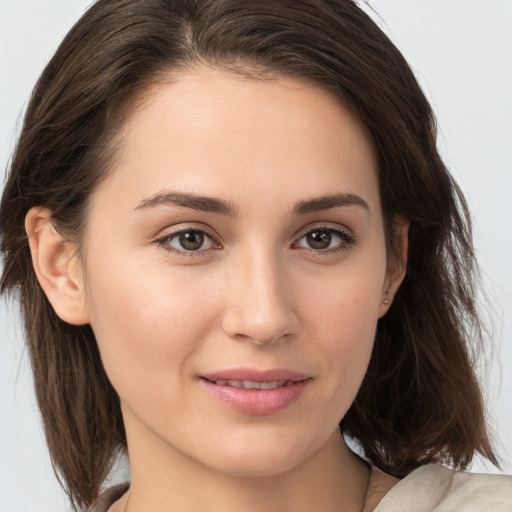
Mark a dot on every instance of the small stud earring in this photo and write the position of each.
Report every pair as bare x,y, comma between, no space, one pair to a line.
386,300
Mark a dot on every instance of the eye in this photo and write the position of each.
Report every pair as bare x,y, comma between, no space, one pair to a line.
325,239
187,240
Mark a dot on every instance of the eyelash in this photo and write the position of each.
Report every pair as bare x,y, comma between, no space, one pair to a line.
346,240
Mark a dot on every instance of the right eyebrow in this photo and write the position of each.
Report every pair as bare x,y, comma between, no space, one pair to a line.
193,201
330,201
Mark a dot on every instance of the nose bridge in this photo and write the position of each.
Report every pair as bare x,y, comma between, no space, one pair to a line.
260,308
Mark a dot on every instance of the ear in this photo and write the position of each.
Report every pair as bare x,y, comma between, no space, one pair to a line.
57,267
397,263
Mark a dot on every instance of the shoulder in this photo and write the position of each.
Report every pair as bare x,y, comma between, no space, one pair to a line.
479,493
435,488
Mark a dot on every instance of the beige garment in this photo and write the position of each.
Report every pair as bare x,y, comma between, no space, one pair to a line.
434,488
430,488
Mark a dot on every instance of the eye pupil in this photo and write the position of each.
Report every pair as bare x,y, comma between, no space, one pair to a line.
319,239
191,240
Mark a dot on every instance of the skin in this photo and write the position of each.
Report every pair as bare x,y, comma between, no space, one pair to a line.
256,294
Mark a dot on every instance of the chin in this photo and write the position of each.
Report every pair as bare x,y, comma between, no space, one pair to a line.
251,466
261,456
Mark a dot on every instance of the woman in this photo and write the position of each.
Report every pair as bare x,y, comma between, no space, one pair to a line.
241,239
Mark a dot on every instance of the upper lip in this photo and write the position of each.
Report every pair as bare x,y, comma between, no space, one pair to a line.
254,375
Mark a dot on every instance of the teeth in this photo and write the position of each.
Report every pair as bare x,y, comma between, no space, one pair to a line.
249,384
272,385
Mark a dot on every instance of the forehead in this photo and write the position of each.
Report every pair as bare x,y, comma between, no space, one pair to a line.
213,132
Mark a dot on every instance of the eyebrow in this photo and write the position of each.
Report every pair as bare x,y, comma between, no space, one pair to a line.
329,201
193,201
223,207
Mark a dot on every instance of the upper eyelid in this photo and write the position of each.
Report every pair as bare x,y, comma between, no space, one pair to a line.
323,225
210,232
169,232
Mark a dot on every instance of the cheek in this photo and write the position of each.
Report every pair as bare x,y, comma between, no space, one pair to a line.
346,302
350,342
142,322
341,316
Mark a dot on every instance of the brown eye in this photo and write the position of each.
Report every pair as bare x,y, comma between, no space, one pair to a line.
325,240
191,240
319,239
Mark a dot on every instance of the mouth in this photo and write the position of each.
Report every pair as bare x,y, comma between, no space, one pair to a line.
251,384
256,392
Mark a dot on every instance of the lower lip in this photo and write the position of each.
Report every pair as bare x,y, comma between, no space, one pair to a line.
257,401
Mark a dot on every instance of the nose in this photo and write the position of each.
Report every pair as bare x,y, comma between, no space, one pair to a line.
260,307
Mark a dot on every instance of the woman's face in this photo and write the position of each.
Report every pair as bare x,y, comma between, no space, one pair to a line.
238,238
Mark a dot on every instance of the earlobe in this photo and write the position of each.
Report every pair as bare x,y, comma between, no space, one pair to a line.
57,267
397,263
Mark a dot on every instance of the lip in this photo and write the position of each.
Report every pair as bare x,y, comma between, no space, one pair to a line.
256,375
258,402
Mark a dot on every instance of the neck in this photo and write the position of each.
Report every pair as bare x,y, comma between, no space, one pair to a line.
332,479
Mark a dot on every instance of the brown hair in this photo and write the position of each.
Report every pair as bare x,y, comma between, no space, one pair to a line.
420,401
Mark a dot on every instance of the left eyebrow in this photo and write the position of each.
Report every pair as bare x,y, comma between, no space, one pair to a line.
193,201
330,201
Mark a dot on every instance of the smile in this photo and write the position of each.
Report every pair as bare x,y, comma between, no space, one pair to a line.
250,384
254,392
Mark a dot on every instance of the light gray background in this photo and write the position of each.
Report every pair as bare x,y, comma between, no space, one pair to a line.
462,53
